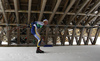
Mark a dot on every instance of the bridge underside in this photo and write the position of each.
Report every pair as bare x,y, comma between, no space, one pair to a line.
69,20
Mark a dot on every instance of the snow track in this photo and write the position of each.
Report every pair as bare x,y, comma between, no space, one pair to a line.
56,53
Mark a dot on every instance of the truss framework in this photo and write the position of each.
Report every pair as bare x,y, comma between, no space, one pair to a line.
66,13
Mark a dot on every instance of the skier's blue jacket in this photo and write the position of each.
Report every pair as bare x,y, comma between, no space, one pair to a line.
36,25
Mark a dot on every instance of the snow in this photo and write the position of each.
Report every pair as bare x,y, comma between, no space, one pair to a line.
98,41
56,53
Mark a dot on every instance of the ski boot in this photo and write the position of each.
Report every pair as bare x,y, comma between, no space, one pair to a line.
39,51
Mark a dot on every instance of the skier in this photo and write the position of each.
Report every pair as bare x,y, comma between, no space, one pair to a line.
36,25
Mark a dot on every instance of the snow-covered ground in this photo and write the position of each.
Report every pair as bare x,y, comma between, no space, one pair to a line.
56,53
98,41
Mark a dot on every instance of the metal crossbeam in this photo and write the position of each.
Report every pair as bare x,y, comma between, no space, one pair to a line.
69,7
89,35
96,36
3,11
73,35
29,10
95,5
54,11
94,18
42,9
16,10
48,12
95,22
83,5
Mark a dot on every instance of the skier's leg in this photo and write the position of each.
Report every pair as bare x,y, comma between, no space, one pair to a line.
39,41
